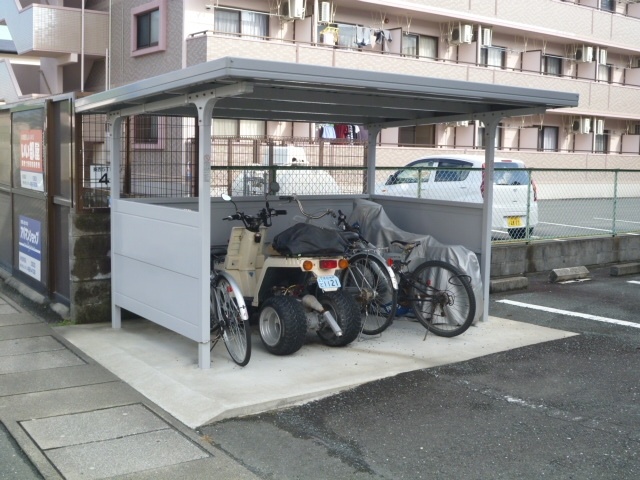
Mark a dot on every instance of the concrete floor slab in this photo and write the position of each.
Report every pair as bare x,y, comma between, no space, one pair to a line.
162,365
39,361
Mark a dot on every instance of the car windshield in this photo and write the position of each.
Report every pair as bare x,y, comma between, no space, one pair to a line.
502,176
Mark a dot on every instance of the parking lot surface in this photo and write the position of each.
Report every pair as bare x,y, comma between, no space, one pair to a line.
563,409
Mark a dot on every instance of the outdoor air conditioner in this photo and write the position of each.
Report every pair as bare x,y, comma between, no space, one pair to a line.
581,125
326,13
599,126
292,9
584,54
462,33
487,34
602,56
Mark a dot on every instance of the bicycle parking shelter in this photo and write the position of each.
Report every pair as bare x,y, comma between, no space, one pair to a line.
160,250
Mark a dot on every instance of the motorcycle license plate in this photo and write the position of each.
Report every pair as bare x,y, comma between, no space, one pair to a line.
514,221
329,282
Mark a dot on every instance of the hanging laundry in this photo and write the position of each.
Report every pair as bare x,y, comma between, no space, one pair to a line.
363,36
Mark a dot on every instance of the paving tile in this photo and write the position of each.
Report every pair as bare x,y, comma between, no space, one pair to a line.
39,361
24,331
5,308
126,455
18,319
42,380
100,425
19,346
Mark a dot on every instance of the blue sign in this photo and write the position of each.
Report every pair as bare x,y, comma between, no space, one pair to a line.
30,247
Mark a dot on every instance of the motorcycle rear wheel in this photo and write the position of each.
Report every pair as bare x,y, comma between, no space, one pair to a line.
346,312
283,325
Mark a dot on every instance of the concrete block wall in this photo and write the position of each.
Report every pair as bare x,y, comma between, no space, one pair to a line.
513,260
90,267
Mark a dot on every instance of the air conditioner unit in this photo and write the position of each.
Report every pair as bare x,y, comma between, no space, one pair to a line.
584,54
326,12
462,33
602,56
487,34
292,9
599,126
581,125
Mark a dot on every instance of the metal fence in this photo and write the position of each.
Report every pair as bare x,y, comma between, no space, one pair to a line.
159,160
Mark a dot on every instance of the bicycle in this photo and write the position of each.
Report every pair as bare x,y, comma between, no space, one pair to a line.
438,293
229,317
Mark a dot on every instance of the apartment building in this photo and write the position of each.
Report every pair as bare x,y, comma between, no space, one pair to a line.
591,47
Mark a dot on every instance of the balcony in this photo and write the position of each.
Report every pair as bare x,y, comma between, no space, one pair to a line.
595,97
50,31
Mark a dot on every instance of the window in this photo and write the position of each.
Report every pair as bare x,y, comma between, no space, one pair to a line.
145,129
344,35
419,46
452,175
148,25
602,143
223,127
492,56
552,65
608,5
604,73
418,135
498,139
548,139
413,174
241,22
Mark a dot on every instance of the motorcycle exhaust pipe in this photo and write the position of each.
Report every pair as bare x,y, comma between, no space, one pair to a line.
312,302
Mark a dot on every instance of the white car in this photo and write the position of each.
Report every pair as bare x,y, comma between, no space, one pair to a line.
515,200
301,182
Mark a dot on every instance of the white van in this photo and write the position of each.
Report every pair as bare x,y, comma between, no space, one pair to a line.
301,182
445,179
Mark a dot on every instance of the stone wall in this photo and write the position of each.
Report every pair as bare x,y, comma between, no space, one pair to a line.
90,267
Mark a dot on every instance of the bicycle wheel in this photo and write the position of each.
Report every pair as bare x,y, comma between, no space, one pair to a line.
369,282
442,298
226,317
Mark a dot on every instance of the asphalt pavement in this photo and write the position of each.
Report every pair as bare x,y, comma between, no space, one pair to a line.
564,407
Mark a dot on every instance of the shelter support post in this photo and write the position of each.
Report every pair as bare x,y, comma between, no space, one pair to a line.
114,123
205,120
371,158
491,126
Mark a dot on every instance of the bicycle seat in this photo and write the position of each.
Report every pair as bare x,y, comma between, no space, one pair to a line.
350,236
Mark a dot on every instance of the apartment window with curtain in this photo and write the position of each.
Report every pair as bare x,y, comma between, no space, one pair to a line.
493,56
224,127
498,140
552,65
419,46
548,139
241,22
418,135
602,143
604,73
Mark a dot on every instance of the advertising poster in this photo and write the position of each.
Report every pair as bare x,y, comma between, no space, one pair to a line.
31,168
30,247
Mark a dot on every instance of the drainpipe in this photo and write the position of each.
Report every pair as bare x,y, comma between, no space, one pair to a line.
82,51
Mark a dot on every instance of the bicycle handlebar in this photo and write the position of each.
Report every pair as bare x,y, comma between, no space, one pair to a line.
295,198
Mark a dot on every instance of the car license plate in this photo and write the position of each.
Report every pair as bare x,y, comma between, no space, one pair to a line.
329,282
514,221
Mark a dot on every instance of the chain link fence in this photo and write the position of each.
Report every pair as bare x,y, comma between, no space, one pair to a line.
159,159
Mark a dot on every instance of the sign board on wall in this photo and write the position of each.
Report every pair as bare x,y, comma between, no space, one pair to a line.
31,167
30,247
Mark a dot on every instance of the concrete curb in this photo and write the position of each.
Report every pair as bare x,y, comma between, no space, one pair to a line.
624,269
570,273
505,284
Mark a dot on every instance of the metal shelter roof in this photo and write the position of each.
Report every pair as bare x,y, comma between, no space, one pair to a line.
267,90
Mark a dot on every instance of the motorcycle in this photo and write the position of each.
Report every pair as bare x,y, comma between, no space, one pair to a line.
293,283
